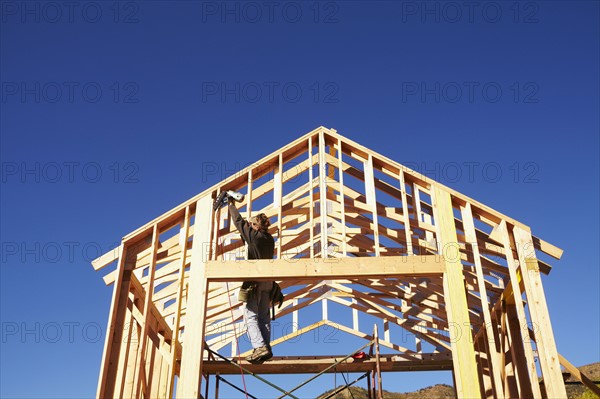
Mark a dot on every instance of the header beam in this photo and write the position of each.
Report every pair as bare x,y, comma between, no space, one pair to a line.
336,268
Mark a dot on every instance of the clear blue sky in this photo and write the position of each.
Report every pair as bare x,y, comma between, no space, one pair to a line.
112,113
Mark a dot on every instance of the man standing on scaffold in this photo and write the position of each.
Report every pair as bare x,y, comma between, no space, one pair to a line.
256,294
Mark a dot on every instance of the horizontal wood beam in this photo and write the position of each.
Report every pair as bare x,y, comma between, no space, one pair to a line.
280,269
316,364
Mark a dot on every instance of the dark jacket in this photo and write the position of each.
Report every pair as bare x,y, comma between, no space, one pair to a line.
261,244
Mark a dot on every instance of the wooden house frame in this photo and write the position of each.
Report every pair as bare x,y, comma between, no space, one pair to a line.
352,227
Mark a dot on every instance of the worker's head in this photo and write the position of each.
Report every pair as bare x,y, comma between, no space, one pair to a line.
260,222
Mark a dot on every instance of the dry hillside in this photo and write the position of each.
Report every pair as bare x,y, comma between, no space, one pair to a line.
442,391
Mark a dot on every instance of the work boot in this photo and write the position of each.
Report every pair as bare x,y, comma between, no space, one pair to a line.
269,354
259,355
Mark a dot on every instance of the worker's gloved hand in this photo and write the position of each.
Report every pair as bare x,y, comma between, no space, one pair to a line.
228,201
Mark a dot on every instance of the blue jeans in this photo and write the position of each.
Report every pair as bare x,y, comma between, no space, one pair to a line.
257,317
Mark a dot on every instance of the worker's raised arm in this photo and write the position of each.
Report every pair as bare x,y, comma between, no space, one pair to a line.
239,222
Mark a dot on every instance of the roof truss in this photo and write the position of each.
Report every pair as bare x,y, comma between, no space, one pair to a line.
353,229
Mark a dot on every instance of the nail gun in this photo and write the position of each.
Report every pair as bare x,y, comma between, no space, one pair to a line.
227,196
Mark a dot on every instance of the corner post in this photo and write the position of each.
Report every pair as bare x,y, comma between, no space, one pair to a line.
197,295
114,329
538,309
463,352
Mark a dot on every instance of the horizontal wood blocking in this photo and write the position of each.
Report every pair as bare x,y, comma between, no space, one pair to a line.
281,269
316,364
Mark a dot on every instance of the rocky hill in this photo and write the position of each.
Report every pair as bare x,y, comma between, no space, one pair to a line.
579,391
433,392
442,391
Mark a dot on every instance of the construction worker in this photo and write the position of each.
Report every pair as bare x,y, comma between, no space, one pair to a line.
256,294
